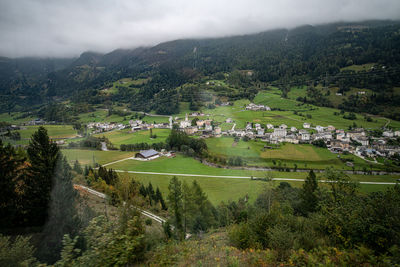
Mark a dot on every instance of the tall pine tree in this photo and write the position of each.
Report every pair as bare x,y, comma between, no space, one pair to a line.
63,217
11,172
43,157
175,204
308,195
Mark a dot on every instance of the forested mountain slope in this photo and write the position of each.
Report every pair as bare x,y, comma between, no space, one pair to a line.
307,55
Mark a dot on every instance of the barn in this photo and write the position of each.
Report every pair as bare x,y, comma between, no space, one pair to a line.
147,154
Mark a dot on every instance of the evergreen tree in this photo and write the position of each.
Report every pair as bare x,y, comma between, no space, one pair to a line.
204,216
11,172
150,192
43,157
309,194
142,190
86,171
161,199
63,218
78,167
176,205
189,210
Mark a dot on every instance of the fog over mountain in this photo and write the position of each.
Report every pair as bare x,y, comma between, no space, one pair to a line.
67,28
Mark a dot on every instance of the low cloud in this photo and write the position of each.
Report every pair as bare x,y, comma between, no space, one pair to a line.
68,28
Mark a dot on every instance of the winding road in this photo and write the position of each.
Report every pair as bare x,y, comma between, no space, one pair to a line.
143,212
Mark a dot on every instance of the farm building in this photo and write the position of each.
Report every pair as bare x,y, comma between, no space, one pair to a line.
147,154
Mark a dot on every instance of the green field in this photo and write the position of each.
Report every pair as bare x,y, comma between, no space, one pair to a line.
187,165
319,115
218,189
14,118
225,189
303,155
54,131
88,157
358,68
101,115
125,137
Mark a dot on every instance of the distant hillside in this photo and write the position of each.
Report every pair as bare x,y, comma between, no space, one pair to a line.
301,56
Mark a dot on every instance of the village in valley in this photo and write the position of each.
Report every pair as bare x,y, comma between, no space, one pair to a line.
357,141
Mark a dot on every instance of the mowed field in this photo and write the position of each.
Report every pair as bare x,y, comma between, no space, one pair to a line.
126,137
54,131
225,189
89,157
14,117
304,155
217,189
101,115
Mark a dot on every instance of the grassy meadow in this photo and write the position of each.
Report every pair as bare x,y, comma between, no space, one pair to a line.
303,155
285,115
217,189
126,137
89,157
54,131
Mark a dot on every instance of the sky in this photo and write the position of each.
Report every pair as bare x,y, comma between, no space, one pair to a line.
66,28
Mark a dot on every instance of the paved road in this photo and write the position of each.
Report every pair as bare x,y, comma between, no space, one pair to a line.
243,177
144,212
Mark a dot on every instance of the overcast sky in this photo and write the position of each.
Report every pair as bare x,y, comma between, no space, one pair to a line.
70,27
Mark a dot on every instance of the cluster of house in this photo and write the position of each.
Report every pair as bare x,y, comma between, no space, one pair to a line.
100,127
256,107
134,125
379,146
137,125
37,121
205,127
337,140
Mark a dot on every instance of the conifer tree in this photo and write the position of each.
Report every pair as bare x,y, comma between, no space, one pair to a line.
11,172
161,199
78,167
63,218
309,194
43,157
175,203
189,206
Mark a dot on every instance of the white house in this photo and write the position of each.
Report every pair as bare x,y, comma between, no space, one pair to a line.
260,131
388,134
293,129
397,133
283,126
363,140
253,106
279,132
304,135
330,128
319,128
217,130
306,125
270,126
208,127
248,126
186,122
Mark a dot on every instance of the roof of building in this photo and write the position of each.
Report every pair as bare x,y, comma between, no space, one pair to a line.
148,153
